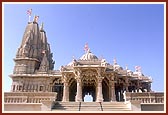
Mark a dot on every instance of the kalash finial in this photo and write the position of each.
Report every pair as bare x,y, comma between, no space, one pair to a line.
114,61
88,51
86,48
126,67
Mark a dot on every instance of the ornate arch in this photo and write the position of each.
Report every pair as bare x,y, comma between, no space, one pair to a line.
89,83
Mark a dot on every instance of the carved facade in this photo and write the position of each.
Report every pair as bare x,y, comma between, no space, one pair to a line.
33,73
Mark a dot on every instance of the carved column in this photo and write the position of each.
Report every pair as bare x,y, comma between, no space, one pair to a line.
99,90
112,90
126,84
79,91
148,87
13,87
138,84
66,92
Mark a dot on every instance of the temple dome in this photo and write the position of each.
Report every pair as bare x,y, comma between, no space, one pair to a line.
88,56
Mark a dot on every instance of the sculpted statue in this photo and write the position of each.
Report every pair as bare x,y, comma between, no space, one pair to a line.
103,62
74,62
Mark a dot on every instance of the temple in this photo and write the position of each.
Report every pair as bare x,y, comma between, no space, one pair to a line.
36,86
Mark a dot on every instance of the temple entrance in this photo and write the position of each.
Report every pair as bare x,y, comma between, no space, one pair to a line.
88,91
119,92
89,87
58,87
88,98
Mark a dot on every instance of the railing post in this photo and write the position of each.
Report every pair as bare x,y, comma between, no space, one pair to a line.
101,106
79,106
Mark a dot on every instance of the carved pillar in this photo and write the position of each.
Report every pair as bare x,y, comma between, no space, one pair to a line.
50,88
17,87
79,91
138,85
13,87
126,84
148,87
99,90
66,92
112,91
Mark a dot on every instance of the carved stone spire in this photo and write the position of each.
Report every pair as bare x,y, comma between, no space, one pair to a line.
46,46
30,42
44,66
29,56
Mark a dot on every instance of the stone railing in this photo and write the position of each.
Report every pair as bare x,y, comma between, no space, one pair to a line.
146,97
28,97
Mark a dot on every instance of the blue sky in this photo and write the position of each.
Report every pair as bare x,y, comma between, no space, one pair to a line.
131,33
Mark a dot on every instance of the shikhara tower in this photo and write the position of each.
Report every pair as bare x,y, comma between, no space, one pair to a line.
34,52
36,86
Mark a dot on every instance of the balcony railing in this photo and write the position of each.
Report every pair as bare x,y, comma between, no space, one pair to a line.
28,97
145,97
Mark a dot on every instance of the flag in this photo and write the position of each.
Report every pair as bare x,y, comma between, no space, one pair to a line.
138,68
86,47
29,12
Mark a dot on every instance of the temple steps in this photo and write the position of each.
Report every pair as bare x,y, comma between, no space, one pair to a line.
90,106
116,106
65,106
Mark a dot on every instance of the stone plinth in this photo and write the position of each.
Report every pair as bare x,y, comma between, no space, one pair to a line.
46,105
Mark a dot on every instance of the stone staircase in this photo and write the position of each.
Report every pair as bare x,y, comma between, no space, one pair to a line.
116,106
65,106
91,106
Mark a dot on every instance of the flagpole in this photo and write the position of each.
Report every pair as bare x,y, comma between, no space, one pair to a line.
29,12
29,18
